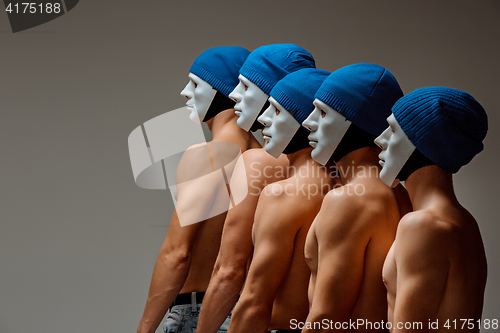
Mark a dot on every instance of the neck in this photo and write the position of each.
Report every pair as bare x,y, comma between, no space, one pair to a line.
220,121
301,159
430,186
362,162
224,123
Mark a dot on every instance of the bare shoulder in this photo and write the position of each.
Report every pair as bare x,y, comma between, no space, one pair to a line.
423,232
278,193
367,199
341,213
280,201
260,155
203,158
223,153
424,245
346,217
427,223
207,150
277,213
194,163
195,151
376,190
257,154
259,163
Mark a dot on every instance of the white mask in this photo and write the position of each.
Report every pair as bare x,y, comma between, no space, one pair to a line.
200,95
249,100
280,127
327,127
396,150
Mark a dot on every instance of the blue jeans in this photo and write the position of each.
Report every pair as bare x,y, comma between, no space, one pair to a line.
182,319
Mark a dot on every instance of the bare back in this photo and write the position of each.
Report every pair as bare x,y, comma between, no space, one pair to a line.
204,253
346,248
203,175
291,298
275,291
439,251
236,247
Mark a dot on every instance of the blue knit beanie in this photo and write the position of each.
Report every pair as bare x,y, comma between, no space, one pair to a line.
295,92
446,125
363,93
268,64
219,66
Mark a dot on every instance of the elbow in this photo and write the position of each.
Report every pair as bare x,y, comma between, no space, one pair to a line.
315,316
228,280
232,275
176,258
252,310
318,315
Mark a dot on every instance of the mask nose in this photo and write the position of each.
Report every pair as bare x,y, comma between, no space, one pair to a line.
236,94
188,90
382,140
311,122
264,118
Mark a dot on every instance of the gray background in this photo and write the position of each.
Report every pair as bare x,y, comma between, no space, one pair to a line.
78,238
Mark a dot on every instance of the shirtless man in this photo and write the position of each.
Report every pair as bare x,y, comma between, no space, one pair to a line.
349,239
263,68
435,272
185,262
275,291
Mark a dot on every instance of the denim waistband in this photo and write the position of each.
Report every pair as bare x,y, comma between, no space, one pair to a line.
193,298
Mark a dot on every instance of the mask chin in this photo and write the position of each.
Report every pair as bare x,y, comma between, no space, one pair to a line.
256,124
298,142
219,103
354,138
416,161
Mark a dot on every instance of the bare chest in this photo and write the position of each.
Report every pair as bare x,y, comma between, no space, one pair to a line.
311,250
389,273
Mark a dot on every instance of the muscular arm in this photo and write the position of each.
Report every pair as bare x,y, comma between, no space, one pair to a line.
174,259
169,274
236,245
421,252
230,268
311,249
274,235
342,235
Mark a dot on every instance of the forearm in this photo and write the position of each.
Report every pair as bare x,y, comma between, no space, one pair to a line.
251,315
169,275
222,293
